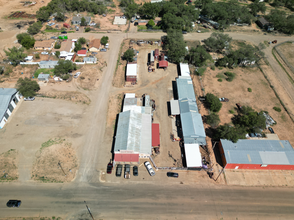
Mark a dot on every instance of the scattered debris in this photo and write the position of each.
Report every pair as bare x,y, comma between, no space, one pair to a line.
21,14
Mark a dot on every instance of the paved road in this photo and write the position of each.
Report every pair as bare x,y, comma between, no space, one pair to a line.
148,201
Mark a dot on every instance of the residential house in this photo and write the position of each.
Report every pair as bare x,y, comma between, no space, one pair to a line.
43,77
120,20
48,64
44,45
94,45
76,20
90,59
82,53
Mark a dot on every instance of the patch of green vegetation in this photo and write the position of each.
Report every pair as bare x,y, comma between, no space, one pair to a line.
118,59
142,27
52,142
110,11
231,111
220,76
45,71
212,67
230,76
200,71
249,90
278,109
220,80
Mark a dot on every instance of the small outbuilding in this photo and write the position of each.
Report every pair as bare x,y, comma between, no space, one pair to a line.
82,53
155,135
90,59
43,77
48,64
193,156
131,73
162,64
184,69
156,54
29,58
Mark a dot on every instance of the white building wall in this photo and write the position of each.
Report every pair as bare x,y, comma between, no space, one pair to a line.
8,112
13,103
2,122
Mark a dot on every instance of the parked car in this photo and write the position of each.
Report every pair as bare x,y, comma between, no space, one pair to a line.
271,130
44,53
135,171
107,45
103,50
94,53
127,171
29,98
172,174
84,48
63,32
54,37
149,168
223,99
77,74
109,168
118,170
184,32
13,203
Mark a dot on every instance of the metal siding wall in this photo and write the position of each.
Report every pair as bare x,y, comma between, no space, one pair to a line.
222,153
131,79
258,167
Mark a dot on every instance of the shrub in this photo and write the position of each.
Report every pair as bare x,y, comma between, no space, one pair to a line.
200,71
213,67
213,120
87,29
231,111
37,56
230,76
278,109
212,102
220,80
57,46
249,90
49,27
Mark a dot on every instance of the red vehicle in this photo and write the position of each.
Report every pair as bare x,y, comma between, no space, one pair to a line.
109,167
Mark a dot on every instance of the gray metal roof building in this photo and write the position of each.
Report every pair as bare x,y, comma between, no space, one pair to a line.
43,77
267,152
192,124
133,133
185,88
7,104
48,64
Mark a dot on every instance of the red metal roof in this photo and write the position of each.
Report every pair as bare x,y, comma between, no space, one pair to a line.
163,63
66,25
156,52
82,52
155,135
126,157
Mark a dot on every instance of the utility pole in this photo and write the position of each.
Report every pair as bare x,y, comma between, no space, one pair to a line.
89,210
61,168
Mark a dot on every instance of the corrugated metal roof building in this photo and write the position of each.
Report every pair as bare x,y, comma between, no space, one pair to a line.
185,88
257,154
184,69
9,97
131,74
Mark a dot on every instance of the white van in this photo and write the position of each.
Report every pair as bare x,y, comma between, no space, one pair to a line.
149,168
107,45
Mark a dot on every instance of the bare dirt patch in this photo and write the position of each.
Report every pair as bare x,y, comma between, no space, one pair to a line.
114,107
8,168
262,97
73,96
56,161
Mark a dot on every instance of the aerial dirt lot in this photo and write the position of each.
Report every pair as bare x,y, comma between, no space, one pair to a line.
56,161
286,49
262,98
8,166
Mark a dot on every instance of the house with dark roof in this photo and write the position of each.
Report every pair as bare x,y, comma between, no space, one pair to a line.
257,154
76,20
9,97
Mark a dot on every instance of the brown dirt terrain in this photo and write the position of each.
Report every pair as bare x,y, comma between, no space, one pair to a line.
67,95
33,218
8,166
55,162
262,98
114,108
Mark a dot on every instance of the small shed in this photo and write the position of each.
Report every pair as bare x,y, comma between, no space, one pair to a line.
66,25
48,64
43,77
193,156
90,59
151,58
131,74
184,68
156,54
262,22
162,64
155,135
29,58
174,107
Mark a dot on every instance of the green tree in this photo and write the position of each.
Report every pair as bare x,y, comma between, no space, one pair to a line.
217,42
150,10
129,55
57,54
131,10
82,40
64,67
15,55
87,29
213,120
37,56
78,47
27,87
151,23
104,40
229,132
212,102
125,3
256,7
57,46
35,28
43,14
197,56
60,17
26,40
83,22
175,46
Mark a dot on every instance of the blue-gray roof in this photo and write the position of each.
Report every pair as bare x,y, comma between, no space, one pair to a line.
185,88
188,105
49,62
258,152
45,76
5,97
